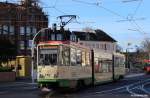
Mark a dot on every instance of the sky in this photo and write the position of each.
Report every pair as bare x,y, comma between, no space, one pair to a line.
111,16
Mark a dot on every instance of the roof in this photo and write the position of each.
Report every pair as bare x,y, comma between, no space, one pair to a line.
98,35
103,36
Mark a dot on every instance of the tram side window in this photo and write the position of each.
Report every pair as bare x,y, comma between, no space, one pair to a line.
83,59
66,56
96,65
122,62
79,58
105,66
73,57
116,62
119,61
87,59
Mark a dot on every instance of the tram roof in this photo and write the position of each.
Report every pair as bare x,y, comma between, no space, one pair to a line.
62,42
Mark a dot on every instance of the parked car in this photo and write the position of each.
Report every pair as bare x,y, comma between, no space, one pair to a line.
147,68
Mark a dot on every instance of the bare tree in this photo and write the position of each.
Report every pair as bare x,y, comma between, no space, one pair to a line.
146,45
88,29
119,48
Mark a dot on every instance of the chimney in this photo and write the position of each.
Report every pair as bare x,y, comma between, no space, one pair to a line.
54,27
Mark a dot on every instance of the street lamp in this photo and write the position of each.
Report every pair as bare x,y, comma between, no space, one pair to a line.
127,58
32,52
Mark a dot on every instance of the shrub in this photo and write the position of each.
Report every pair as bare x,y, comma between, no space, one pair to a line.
5,69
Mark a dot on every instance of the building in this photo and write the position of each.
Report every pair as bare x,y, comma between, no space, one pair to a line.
97,39
18,24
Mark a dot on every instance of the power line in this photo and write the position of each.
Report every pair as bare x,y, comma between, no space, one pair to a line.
138,6
58,10
56,3
84,2
98,4
126,1
139,27
132,20
110,11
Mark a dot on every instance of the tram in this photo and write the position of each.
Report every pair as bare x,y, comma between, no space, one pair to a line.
69,65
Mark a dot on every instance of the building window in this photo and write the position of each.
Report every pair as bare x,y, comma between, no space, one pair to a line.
28,30
97,46
59,37
22,44
108,47
34,31
89,45
72,37
11,30
52,36
105,47
22,30
5,29
93,45
0,29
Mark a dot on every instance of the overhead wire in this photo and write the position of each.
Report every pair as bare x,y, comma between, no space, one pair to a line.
131,20
58,10
55,7
138,6
97,4
139,28
56,3
83,2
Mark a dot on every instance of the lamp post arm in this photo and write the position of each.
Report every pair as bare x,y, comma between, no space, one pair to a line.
32,53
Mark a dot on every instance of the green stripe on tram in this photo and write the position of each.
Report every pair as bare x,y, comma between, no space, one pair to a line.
47,80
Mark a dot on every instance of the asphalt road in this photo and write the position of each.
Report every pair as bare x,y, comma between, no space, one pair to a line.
130,87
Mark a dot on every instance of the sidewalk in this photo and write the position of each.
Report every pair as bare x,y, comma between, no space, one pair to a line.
18,83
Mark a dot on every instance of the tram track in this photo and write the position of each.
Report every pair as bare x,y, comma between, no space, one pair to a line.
126,88
144,88
138,90
129,89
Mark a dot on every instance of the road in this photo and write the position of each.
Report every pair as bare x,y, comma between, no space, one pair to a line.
130,87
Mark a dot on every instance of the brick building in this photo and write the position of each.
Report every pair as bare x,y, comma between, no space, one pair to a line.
18,24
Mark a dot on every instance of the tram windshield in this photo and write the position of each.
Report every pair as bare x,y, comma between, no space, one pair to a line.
48,57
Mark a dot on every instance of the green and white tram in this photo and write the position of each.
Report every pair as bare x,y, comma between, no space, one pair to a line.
63,64
66,64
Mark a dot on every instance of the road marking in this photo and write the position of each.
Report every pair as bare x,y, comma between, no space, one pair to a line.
27,83
126,86
139,96
134,75
143,88
139,86
29,88
110,90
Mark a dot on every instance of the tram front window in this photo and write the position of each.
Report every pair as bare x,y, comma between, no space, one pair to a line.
48,57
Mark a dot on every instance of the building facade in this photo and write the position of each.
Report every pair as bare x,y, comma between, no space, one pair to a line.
18,24
97,40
